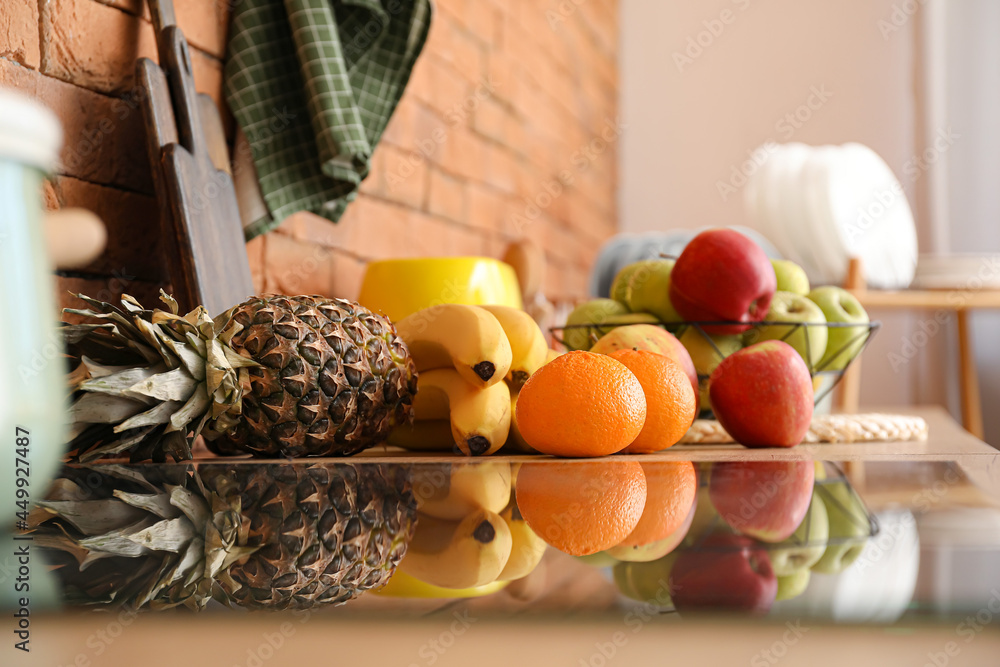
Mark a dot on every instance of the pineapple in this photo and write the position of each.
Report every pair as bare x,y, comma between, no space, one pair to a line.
260,536
275,375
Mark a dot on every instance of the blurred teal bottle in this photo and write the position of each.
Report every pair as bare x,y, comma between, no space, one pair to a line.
32,367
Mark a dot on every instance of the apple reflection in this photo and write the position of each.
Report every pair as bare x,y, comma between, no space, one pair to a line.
758,532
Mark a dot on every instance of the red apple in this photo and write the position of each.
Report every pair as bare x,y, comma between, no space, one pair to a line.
763,395
722,275
766,500
725,573
651,338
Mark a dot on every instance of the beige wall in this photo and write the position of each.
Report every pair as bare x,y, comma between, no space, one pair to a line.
689,123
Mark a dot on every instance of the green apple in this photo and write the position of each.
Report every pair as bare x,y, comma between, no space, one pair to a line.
809,341
793,585
844,343
646,582
595,311
649,289
806,545
849,528
707,352
619,286
791,277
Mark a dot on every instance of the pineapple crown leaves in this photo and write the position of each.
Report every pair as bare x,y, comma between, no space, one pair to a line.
155,377
181,537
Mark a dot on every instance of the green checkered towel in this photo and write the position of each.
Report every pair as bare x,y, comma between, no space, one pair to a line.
312,83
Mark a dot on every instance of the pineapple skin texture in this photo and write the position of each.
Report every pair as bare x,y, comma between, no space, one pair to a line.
334,378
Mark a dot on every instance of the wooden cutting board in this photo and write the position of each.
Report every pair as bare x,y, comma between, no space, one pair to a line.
202,235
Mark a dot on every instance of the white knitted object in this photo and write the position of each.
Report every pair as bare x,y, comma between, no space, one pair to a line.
828,428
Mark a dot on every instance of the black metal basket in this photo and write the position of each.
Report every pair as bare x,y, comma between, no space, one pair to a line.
855,344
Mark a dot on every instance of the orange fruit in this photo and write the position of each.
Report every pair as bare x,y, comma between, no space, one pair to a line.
670,490
581,508
670,400
581,404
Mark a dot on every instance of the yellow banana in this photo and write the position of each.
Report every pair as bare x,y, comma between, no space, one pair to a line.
527,548
403,585
432,435
458,554
551,355
527,343
480,417
515,441
452,491
467,338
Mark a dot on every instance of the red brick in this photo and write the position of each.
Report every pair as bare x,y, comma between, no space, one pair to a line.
369,229
489,160
432,237
405,176
576,282
489,119
486,207
50,196
456,47
437,84
19,32
108,289
502,73
95,46
311,228
555,279
348,273
203,22
424,233
402,122
133,224
374,229
104,139
452,9
374,182
500,169
446,197
481,19
415,127
292,267
516,133
256,252
463,154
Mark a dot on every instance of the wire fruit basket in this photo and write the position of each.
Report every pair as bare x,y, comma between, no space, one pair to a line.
826,367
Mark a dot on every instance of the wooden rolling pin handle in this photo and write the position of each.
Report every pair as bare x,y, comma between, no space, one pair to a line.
75,237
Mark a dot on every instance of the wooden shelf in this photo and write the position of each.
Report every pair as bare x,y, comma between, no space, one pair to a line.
950,299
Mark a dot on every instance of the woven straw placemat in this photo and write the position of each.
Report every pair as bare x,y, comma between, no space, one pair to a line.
827,428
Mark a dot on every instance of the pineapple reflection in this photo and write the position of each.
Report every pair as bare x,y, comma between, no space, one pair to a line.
267,536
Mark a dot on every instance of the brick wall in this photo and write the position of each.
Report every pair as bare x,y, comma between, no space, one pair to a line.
507,130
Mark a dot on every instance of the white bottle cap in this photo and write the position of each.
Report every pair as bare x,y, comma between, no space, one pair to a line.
29,132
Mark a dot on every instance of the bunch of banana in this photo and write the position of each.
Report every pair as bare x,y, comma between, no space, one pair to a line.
516,444
471,360
469,534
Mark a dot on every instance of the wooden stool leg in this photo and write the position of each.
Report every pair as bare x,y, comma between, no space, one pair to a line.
849,389
972,408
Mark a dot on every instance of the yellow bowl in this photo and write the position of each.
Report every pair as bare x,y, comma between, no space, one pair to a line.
400,287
